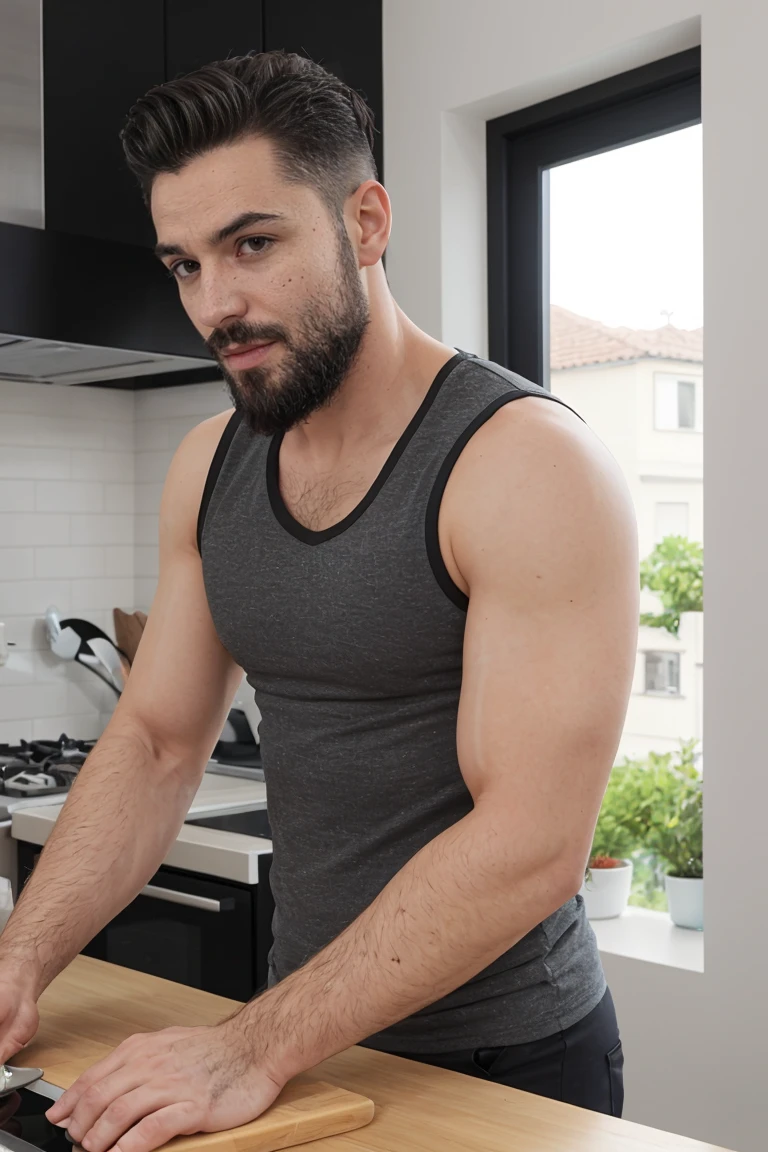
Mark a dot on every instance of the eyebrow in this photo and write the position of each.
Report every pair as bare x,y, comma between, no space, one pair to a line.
244,220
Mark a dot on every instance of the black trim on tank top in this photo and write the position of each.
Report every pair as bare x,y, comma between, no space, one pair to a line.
434,554
213,472
307,535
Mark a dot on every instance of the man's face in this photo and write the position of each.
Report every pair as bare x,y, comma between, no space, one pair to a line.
260,262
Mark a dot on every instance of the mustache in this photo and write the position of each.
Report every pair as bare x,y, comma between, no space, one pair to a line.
240,332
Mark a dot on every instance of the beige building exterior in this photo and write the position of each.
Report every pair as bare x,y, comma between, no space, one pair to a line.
641,393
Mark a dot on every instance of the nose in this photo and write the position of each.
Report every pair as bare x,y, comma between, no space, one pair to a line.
219,300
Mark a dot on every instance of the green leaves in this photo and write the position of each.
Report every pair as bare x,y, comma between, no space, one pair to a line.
656,805
674,571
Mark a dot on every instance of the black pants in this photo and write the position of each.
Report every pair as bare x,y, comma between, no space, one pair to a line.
582,1065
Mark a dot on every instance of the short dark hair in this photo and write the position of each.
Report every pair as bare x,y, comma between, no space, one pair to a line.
323,130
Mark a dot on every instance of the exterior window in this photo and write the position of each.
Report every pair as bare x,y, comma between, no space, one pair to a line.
662,672
675,402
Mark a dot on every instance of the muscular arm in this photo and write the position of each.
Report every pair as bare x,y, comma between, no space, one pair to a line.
132,794
543,535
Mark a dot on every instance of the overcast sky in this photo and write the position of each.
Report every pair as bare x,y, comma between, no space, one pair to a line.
626,233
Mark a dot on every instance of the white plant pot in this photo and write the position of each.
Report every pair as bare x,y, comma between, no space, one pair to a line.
606,891
686,902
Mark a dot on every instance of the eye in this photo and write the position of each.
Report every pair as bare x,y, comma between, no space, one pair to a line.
265,240
183,269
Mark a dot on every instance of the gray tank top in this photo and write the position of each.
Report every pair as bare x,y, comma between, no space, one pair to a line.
351,639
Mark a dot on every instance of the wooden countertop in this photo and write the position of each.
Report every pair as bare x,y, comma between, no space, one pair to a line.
92,1006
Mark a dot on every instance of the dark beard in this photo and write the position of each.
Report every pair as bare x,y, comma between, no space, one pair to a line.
316,362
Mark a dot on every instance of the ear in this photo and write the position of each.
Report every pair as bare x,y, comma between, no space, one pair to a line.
372,222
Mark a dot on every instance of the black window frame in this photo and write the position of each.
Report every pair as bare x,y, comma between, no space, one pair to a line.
522,146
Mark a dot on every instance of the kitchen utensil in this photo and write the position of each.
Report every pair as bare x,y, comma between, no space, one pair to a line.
129,628
109,656
64,642
11,1079
93,647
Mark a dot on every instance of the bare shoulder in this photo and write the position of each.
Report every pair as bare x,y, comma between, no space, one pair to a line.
534,487
185,479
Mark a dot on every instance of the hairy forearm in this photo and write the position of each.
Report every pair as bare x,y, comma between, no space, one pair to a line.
125,807
462,901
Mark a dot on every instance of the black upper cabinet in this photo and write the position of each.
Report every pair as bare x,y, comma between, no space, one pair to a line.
99,57
198,31
342,35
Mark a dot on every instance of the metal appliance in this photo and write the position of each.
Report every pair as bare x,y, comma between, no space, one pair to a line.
23,1126
198,930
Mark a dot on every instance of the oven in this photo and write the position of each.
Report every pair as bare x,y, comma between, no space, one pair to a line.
198,930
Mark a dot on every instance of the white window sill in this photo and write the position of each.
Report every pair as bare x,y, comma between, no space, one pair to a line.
651,936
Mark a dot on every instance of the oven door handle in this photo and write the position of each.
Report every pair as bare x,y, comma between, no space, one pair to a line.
188,899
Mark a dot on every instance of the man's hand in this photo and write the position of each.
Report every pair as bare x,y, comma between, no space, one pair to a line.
158,1085
19,1018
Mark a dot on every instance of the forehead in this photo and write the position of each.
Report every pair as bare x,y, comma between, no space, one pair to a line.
221,184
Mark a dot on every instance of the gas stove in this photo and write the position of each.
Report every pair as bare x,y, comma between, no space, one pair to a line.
41,767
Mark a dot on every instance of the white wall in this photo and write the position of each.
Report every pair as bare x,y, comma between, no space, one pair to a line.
163,418
695,1043
66,538
81,473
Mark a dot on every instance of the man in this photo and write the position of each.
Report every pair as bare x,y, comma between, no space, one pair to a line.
427,568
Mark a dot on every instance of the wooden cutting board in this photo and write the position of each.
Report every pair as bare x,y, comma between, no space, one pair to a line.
94,1008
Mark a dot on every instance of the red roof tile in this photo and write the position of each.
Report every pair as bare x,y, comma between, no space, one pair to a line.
576,341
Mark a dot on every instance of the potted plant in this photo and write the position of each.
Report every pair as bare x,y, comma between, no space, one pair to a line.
608,879
676,837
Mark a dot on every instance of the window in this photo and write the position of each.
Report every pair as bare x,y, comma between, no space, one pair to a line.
662,672
671,520
595,259
675,402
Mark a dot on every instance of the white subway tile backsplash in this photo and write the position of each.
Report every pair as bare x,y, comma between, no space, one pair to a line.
144,592
17,495
118,436
32,597
106,593
21,463
69,496
180,426
110,467
152,467
81,480
148,498
184,400
80,726
13,731
30,701
119,560
65,401
119,498
147,561
17,563
146,529
102,529
151,435
25,528
26,632
30,667
19,669
90,695
71,562
80,431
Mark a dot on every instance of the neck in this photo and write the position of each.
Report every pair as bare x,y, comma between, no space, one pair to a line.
392,372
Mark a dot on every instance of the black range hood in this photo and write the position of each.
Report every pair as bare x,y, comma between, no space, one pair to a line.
76,310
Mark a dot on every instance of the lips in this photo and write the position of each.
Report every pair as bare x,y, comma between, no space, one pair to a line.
247,355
